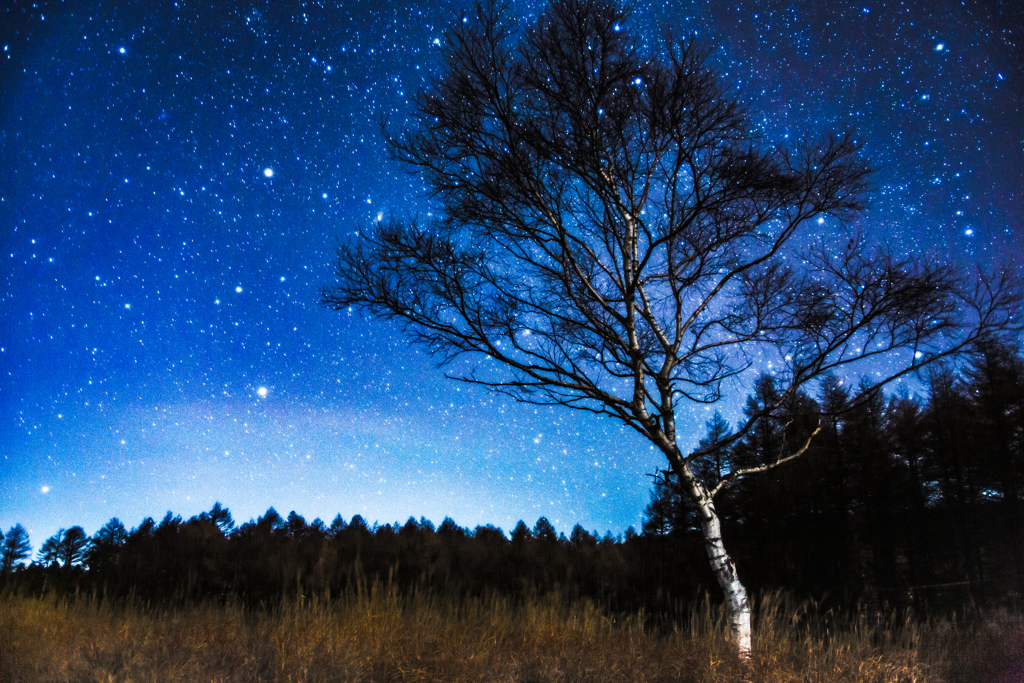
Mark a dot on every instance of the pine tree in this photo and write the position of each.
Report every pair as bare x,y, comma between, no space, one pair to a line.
16,548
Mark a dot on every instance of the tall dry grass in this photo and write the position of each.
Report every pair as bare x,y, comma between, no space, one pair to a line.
377,635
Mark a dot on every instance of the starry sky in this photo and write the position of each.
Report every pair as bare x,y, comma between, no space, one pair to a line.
175,175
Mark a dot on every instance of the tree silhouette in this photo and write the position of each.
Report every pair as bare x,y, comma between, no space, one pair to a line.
16,548
295,525
220,516
715,462
580,538
521,533
48,553
65,548
874,465
544,531
996,376
105,546
613,237
666,512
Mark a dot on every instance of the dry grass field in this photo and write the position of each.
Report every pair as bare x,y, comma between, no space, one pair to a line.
376,635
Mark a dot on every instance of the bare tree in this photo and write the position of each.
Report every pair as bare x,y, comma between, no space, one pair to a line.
612,237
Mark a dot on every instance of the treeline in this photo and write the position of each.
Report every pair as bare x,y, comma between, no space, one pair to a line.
900,499
275,557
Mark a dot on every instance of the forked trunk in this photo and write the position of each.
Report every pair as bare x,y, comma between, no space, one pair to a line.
723,567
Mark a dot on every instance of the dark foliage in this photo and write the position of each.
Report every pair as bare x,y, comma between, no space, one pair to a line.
66,548
900,499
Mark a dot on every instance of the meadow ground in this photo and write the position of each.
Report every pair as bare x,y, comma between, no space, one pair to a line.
377,635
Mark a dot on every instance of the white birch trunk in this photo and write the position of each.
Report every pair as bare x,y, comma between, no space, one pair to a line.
723,567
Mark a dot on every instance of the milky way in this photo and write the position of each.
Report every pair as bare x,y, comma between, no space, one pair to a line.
175,176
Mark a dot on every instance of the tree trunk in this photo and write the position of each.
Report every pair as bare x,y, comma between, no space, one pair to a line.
722,564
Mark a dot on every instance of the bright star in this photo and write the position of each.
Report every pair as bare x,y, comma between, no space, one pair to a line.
262,391
269,172
238,289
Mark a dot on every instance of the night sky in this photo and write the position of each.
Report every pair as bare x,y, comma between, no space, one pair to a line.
175,176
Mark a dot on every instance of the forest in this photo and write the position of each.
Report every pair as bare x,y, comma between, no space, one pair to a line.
903,500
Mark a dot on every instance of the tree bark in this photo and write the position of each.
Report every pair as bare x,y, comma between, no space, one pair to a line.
736,600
